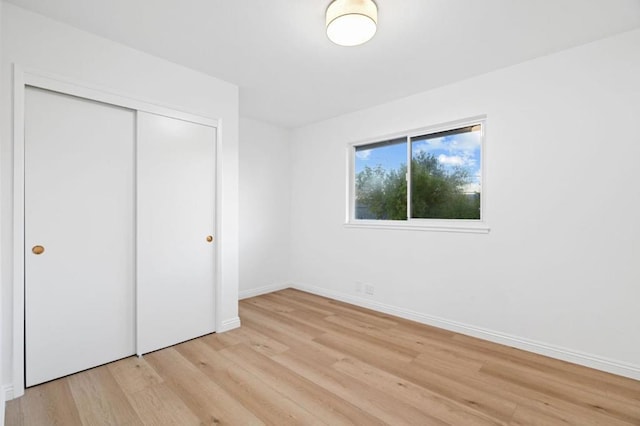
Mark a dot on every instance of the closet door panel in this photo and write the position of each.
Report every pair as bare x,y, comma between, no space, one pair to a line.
175,220
79,234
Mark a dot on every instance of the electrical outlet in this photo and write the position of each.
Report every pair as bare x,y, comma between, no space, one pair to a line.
369,289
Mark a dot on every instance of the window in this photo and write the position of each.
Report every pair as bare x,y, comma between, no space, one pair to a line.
380,180
430,178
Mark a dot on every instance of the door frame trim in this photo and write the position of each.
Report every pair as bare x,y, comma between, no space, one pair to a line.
23,77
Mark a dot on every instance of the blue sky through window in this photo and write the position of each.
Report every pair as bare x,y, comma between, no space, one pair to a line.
462,149
390,157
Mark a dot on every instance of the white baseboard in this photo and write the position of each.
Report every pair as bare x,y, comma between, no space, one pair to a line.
245,294
228,325
7,393
576,357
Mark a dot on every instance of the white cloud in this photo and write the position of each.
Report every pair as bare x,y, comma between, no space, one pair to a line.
364,154
429,146
463,143
464,159
471,187
452,160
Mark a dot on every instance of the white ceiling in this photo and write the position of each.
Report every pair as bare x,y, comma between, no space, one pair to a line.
290,74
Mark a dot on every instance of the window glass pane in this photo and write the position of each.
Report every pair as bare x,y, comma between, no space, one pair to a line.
380,180
445,174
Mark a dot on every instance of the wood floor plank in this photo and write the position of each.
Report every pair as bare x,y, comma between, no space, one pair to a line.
614,384
527,416
302,359
261,343
297,329
522,395
258,396
13,412
474,398
456,389
372,335
542,401
272,331
269,304
223,340
313,398
321,355
158,405
287,300
430,402
151,399
48,404
100,400
205,398
297,322
255,339
134,374
611,407
335,306
574,378
383,406
402,341
362,348
447,361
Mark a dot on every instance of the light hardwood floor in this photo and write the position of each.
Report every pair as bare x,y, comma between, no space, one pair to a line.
304,359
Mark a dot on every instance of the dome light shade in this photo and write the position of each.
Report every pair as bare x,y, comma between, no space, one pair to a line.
351,22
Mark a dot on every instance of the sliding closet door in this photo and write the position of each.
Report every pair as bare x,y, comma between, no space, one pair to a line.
79,234
176,238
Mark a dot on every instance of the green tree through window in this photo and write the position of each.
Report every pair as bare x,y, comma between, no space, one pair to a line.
381,193
444,177
438,193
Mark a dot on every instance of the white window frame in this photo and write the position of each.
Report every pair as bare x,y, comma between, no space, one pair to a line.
479,226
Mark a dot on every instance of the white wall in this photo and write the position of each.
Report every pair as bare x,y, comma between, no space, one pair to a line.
34,41
559,271
265,190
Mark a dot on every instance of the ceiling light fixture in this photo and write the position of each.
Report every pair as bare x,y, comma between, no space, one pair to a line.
351,22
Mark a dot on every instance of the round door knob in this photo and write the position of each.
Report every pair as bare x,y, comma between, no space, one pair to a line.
209,238
37,250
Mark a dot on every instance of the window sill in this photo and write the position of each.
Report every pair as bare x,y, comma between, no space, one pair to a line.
419,225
